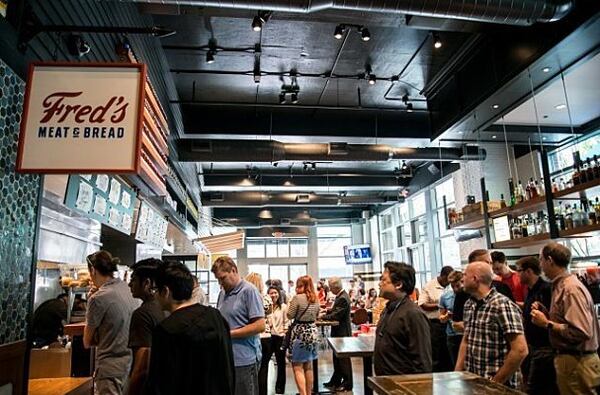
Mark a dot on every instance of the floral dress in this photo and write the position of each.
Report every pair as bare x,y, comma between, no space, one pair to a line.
304,338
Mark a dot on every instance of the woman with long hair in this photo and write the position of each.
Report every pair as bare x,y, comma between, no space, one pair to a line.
371,298
304,338
278,324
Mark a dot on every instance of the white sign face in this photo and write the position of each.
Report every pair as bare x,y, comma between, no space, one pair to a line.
82,118
501,229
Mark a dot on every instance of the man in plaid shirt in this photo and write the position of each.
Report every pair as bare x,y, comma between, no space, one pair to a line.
494,343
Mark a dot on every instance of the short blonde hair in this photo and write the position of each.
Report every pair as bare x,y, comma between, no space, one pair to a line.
223,263
256,280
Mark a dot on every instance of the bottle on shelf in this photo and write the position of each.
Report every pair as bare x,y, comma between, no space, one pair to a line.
533,189
560,217
540,188
561,184
511,188
554,186
589,170
591,213
575,176
596,167
520,193
502,201
568,218
582,173
597,210
524,232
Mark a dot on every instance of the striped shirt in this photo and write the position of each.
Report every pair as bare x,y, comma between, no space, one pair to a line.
487,322
298,305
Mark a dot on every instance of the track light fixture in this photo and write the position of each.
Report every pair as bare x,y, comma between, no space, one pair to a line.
339,31
437,43
282,98
210,56
409,107
293,89
372,79
365,35
257,23
294,97
260,19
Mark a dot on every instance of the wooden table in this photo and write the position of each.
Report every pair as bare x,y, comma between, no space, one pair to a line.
361,346
463,383
61,386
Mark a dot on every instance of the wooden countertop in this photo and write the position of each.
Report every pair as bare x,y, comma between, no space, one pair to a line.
344,347
438,384
74,329
61,386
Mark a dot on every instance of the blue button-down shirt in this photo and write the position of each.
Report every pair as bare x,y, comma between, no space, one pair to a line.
447,302
239,306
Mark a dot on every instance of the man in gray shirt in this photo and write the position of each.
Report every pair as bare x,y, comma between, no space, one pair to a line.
110,307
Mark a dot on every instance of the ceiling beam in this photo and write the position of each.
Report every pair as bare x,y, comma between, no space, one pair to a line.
295,199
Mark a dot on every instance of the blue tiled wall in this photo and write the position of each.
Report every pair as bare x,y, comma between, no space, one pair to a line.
18,206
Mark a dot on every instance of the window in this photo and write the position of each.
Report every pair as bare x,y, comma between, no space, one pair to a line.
330,245
255,248
261,269
283,248
298,247
418,205
271,246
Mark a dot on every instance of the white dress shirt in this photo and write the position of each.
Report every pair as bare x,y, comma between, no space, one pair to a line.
431,293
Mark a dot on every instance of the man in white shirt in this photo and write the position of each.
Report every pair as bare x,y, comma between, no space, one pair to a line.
429,300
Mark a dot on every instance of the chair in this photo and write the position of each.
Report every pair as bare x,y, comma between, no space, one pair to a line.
361,316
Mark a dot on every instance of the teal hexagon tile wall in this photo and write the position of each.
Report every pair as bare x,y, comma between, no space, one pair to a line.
18,207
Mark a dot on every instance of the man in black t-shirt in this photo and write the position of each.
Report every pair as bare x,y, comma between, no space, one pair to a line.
191,349
143,321
48,321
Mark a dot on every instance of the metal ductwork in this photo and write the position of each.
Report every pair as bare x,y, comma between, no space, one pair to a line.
260,199
274,151
294,223
523,12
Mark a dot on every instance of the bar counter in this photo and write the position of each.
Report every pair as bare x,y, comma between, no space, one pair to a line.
61,386
463,383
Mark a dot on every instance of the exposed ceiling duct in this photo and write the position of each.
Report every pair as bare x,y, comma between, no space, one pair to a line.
248,223
524,12
198,150
260,199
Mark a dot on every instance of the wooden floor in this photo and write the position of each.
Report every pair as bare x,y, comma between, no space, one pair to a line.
325,371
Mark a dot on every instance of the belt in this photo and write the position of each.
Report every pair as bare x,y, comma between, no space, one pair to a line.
575,353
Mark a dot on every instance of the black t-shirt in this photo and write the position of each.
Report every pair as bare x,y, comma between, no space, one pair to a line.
143,321
541,292
191,354
503,289
48,320
458,309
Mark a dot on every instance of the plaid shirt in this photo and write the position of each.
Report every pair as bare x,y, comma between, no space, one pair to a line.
487,322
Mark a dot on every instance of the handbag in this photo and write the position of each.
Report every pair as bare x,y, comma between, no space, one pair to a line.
288,335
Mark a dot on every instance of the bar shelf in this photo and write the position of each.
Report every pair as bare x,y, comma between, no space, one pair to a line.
581,231
475,222
528,206
522,242
575,191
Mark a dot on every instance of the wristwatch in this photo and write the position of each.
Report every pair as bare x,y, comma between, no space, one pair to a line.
549,325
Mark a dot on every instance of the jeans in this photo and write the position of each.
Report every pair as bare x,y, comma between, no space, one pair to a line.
453,343
439,350
541,376
272,345
246,379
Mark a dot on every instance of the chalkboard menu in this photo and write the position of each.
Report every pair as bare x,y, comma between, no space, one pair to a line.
102,197
151,226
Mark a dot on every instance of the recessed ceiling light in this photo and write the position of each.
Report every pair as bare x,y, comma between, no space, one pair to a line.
544,138
561,106
494,136
304,54
495,106
546,69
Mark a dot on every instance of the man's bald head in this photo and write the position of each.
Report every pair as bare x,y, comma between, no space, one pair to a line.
478,274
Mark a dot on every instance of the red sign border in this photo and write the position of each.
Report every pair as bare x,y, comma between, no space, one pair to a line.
140,119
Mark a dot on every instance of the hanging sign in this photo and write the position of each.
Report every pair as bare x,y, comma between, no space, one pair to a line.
82,118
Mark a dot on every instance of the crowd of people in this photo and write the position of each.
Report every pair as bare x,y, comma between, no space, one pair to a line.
510,326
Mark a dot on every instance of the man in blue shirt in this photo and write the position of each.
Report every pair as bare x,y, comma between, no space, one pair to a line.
242,307
453,338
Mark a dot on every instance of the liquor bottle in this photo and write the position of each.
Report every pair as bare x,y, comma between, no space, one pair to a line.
575,178
520,193
541,187
533,188
591,213
544,224
531,225
528,191
597,210
524,232
596,167
577,217
502,201
589,170
561,184
511,188
560,217
554,186
582,173
568,218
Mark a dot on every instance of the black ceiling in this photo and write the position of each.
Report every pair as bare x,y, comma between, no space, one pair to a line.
226,100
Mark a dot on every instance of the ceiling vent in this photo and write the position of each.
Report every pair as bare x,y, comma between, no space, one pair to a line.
303,198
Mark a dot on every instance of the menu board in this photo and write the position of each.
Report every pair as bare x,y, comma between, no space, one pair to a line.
102,197
151,226
501,229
